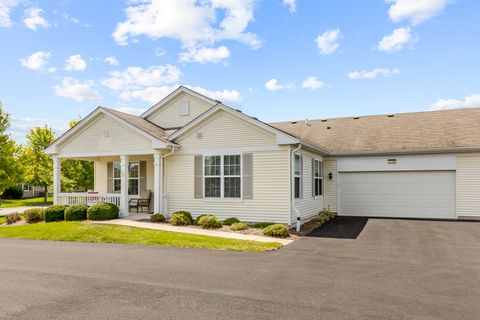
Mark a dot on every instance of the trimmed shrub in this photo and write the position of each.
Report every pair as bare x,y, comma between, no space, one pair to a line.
187,214
15,192
324,216
230,221
276,230
199,217
76,213
262,225
55,213
209,221
12,217
237,226
157,217
180,219
102,211
33,215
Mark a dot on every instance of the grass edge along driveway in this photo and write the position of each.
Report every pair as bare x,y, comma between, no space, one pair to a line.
85,232
27,202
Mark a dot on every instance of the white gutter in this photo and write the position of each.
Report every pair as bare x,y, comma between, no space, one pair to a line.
292,177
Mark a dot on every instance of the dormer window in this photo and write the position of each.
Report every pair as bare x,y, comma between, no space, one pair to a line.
184,108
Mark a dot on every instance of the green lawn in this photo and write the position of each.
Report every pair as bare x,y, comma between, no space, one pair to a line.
7,203
2,220
84,232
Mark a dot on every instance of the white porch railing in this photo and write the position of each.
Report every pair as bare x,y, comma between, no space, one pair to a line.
88,198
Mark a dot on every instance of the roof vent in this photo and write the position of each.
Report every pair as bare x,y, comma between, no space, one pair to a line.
324,120
293,122
255,118
238,110
307,123
328,128
390,116
356,118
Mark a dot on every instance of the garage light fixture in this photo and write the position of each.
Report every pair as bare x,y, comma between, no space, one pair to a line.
392,161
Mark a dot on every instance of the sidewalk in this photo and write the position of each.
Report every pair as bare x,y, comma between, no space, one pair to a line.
5,211
212,233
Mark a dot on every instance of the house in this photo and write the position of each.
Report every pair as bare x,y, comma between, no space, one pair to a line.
30,191
197,154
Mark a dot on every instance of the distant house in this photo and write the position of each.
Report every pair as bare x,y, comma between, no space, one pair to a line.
30,191
196,154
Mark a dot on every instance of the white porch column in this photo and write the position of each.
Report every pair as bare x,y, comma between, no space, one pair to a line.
57,178
157,182
123,185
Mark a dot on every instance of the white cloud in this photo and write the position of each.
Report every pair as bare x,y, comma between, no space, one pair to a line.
327,43
20,126
33,19
416,11
204,55
313,83
36,61
111,61
291,4
75,63
136,77
226,96
372,74
155,94
5,7
471,101
396,40
77,90
74,20
194,23
159,51
274,85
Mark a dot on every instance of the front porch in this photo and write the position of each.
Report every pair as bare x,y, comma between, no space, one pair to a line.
117,180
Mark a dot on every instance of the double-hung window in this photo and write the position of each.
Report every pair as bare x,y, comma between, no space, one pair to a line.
223,176
317,178
298,176
133,177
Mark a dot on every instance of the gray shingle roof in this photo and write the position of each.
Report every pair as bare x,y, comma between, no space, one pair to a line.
444,129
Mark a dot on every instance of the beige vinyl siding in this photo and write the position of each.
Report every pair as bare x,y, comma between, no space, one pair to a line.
169,115
93,138
270,189
330,194
468,185
308,206
223,130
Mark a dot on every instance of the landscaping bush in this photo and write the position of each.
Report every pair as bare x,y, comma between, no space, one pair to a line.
262,225
157,217
276,230
187,214
237,226
55,213
199,217
324,216
33,215
15,192
102,211
230,221
76,213
209,221
12,218
180,219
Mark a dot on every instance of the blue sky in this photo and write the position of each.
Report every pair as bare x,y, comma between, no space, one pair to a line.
274,59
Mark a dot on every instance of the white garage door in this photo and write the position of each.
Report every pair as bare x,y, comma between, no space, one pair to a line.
415,194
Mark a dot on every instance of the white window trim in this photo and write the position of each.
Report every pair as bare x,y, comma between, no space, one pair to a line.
222,176
297,176
315,161
128,179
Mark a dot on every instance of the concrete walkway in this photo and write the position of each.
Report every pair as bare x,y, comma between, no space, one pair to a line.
132,221
5,211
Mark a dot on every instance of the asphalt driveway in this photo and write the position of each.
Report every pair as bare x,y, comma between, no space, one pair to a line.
395,269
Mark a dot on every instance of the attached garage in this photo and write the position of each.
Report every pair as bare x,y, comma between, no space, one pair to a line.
399,194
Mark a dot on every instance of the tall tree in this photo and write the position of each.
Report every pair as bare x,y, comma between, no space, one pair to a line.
38,166
10,170
77,174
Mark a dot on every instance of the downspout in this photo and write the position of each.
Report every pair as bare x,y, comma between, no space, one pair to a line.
292,195
162,173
